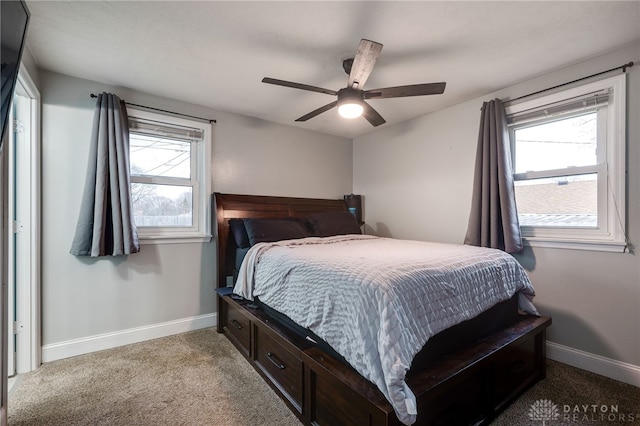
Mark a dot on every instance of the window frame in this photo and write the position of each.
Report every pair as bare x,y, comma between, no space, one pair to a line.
199,181
610,233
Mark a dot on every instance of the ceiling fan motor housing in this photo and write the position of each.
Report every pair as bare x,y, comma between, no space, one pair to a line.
349,95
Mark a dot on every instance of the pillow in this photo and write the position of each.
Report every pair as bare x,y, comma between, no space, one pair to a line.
239,232
334,223
268,230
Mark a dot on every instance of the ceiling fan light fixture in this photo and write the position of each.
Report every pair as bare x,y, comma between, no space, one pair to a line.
350,109
350,103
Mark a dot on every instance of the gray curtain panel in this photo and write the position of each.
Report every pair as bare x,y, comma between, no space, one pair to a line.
105,225
493,221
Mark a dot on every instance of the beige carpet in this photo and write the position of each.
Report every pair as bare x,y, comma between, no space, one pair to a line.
199,378
195,378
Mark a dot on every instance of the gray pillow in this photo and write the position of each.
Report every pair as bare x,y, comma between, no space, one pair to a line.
333,223
239,232
269,230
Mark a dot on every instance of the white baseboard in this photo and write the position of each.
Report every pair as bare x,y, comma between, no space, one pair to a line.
621,371
100,342
627,373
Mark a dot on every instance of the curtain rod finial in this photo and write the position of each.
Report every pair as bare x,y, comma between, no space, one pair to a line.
625,66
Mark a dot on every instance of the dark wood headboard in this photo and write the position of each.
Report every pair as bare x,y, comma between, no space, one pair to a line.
230,206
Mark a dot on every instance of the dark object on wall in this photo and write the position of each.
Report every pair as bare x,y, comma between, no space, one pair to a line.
354,205
15,19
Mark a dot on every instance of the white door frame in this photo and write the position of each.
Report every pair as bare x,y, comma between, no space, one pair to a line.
9,184
28,241
3,292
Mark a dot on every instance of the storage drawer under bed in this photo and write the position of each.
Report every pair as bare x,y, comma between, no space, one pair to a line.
281,364
237,326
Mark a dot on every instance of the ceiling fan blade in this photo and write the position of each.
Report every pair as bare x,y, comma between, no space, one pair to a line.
366,57
372,115
403,91
318,111
298,86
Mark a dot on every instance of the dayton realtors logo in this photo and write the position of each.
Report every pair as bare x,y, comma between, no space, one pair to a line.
545,410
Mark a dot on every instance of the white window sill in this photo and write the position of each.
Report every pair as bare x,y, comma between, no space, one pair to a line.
591,245
174,239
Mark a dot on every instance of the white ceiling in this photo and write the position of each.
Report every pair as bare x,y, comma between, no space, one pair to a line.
215,53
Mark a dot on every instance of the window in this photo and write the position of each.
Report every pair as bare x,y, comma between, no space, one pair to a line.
568,153
169,161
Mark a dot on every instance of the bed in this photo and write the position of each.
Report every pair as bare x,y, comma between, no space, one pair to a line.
490,356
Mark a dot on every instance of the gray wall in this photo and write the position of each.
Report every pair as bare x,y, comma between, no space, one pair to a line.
416,179
84,297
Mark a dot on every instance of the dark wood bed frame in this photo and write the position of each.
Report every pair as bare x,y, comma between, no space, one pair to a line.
465,375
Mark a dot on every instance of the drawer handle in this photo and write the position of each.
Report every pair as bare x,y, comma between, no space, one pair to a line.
275,361
517,366
237,324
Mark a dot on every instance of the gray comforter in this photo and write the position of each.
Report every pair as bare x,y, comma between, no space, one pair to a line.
377,301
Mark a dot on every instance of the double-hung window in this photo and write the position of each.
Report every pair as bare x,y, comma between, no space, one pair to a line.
169,160
569,166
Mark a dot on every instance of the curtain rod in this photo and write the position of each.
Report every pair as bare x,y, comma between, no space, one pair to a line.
210,120
621,67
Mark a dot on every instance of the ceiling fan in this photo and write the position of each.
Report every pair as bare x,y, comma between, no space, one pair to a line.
351,99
